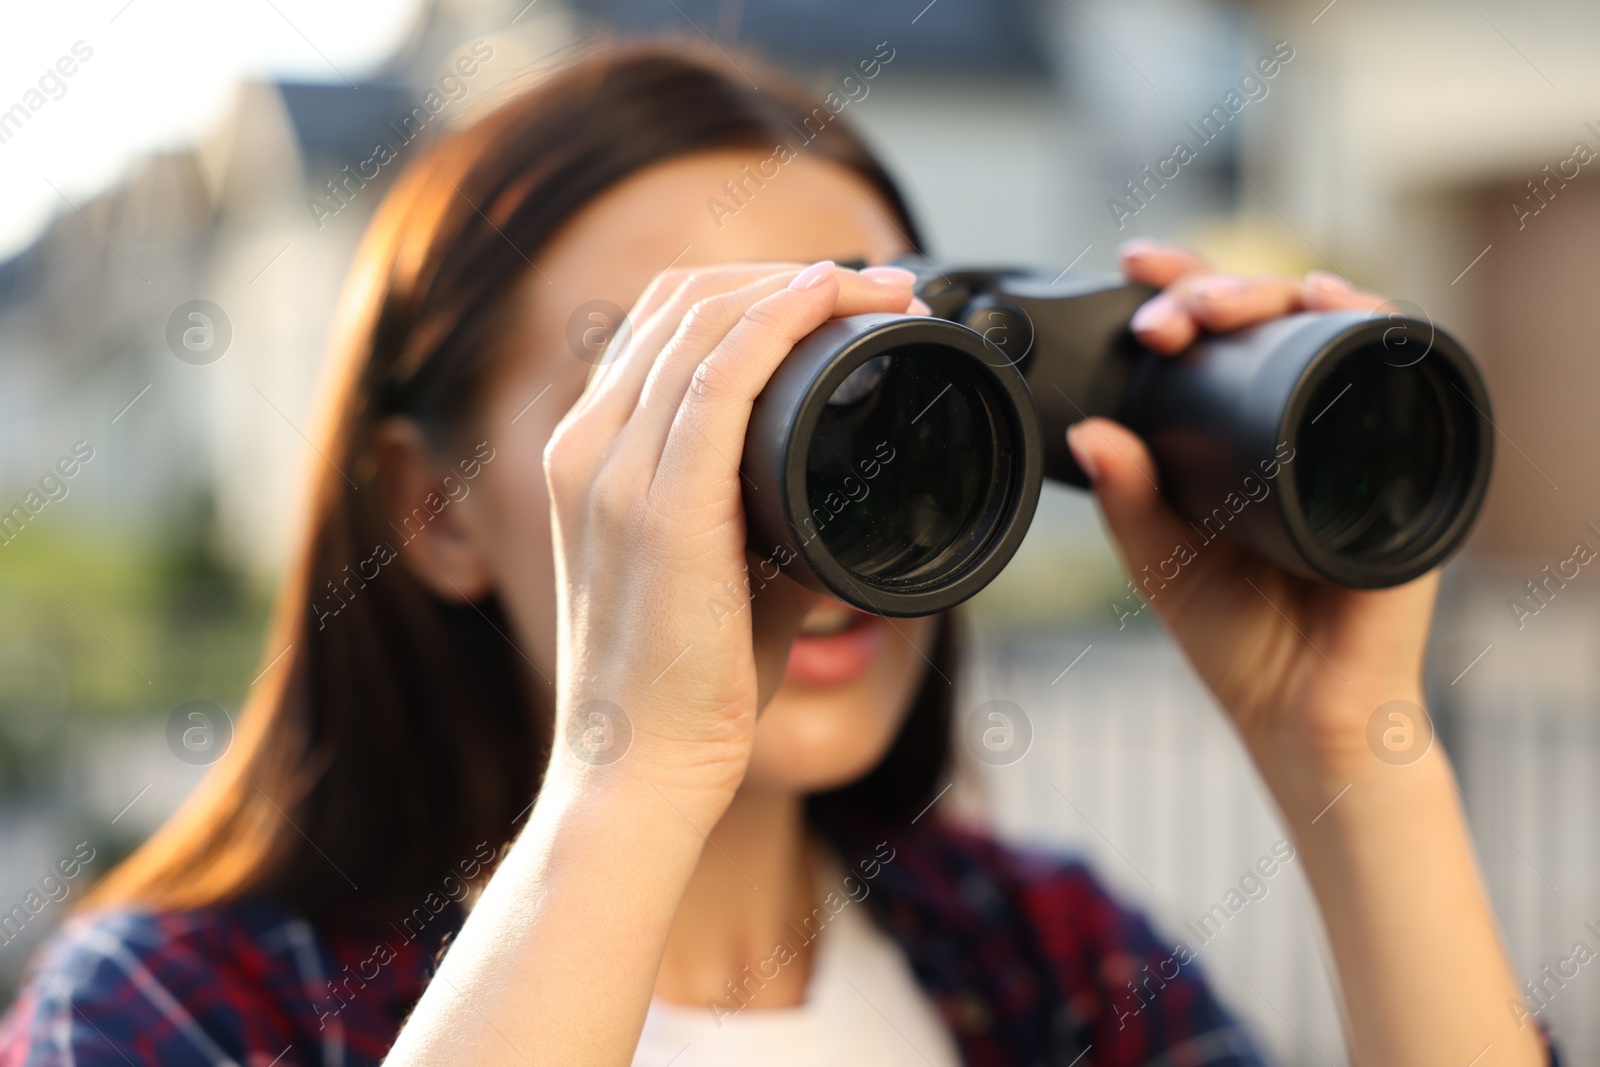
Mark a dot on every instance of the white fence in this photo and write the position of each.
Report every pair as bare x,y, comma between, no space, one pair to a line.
1133,767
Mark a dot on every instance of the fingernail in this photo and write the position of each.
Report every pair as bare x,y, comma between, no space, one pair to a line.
918,307
895,276
1084,457
1216,288
813,275
1321,279
1135,247
1154,315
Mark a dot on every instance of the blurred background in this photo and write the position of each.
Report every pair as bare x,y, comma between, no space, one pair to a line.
154,153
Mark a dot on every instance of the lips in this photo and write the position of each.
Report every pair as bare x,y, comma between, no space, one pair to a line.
836,645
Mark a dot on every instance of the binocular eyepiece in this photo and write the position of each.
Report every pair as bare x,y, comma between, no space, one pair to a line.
895,461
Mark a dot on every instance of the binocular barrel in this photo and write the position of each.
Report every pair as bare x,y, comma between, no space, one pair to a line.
895,461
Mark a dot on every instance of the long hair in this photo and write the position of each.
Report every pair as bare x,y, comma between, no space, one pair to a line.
387,744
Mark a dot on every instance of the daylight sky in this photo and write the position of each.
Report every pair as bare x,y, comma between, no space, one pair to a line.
159,73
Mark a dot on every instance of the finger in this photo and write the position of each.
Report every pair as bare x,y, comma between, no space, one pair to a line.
699,465
613,388
1170,322
703,278
1156,263
586,432
778,607
701,326
1124,480
1162,324
709,320
627,333
1221,302
589,429
712,320
612,400
681,284
1322,291
688,282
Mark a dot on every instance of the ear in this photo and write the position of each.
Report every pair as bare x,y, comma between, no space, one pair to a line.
427,505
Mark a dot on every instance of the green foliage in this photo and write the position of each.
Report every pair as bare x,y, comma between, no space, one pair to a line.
98,626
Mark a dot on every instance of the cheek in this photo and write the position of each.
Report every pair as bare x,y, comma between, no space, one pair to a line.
513,510
811,740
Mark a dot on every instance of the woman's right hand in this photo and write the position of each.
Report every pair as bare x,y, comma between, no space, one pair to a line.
654,613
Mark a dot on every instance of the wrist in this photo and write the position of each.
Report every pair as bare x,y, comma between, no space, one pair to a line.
580,824
1308,757
636,790
639,748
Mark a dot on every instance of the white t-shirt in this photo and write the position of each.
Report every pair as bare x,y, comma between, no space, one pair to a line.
863,1007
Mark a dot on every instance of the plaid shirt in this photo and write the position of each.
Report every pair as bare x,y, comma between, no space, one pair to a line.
1027,959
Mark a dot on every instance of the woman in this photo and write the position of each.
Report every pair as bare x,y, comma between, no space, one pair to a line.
520,612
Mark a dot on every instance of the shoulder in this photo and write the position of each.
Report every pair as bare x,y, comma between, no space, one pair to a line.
1087,935
1031,945
972,871
138,986
1056,894
170,943
959,847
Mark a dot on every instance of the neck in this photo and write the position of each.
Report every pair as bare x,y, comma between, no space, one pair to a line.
754,876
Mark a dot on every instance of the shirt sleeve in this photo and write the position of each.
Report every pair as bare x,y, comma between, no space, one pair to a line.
1147,998
1142,997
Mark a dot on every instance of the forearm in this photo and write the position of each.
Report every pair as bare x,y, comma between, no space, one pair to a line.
558,959
1424,975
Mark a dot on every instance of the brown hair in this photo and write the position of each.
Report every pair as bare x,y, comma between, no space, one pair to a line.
383,748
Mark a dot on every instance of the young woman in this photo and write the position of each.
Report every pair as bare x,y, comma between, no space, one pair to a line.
504,625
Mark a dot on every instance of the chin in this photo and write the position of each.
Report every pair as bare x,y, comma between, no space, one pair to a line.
850,682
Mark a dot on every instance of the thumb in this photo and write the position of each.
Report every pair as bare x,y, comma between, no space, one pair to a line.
1125,483
778,607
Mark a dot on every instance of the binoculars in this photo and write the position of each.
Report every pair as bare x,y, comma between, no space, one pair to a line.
895,461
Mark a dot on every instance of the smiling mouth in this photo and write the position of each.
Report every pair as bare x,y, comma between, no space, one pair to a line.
830,618
836,645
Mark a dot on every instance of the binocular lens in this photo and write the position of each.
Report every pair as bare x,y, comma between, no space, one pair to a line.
894,463
908,467
1386,458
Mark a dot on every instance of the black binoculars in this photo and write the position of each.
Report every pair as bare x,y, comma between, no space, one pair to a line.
895,461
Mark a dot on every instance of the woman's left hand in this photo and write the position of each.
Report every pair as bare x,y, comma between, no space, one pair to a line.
1300,665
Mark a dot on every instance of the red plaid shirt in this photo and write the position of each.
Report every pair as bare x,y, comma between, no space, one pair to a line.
1027,958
